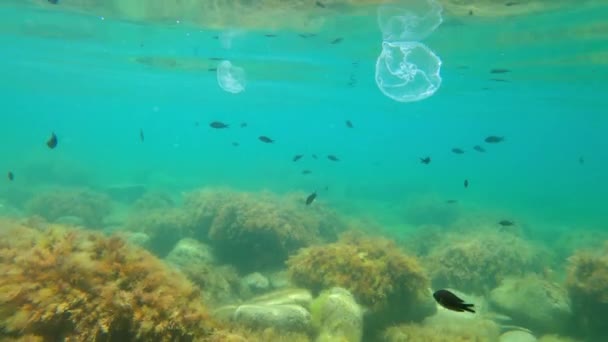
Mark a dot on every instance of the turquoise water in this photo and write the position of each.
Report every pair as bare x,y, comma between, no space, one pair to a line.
97,79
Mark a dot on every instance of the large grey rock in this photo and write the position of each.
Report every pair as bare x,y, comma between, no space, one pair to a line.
188,251
517,336
285,317
337,316
256,282
284,310
532,302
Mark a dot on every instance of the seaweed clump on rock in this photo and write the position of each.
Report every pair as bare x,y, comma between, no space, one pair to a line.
60,284
257,231
391,284
587,285
87,205
478,262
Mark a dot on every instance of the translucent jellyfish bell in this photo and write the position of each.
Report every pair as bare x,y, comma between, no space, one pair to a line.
413,21
230,77
407,71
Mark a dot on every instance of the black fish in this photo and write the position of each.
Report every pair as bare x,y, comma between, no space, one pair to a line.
265,139
270,35
457,150
11,176
499,80
320,4
425,160
306,172
314,156
451,201
333,158
479,148
54,2
311,198
349,124
216,59
243,124
212,69
470,12
235,144
306,35
297,157
511,3
581,160
499,71
466,183
493,139
450,301
506,223
196,124
336,41
218,125
141,134
52,142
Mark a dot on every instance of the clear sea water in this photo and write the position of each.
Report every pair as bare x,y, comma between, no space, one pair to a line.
96,76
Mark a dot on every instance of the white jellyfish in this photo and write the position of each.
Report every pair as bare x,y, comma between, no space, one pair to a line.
230,77
407,71
412,22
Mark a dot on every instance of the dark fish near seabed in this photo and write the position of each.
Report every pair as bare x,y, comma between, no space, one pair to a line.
457,150
52,142
265,139
425,160
333,158
506,223
349,124
141,134
499,71
320,4
218,125
511,3
311,198
11,176
466,183
297,157
306,172
493,139
450,301
54,2
337,40
479,148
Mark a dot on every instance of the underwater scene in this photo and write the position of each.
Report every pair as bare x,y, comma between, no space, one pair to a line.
304,170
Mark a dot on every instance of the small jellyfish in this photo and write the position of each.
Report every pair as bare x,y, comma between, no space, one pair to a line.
230,77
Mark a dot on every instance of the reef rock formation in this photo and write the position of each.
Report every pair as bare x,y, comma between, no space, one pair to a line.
75,285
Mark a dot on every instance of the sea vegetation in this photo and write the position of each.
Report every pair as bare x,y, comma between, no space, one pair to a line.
587,285
89,206
256,231
242,334
75,285
477,261
392,285
164,227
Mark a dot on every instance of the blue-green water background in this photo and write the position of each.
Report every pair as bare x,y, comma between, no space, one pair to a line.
78,75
